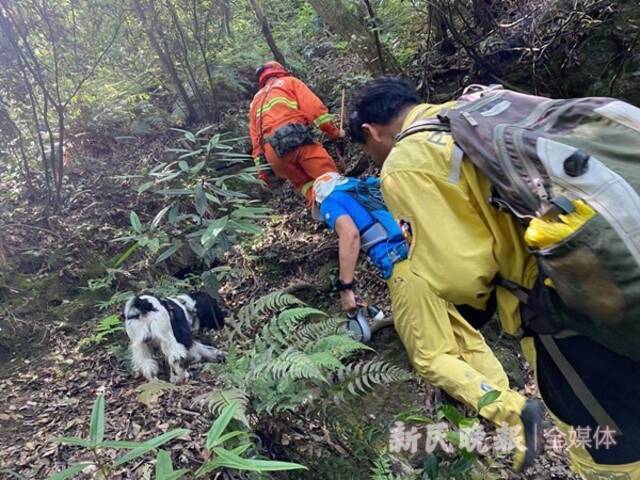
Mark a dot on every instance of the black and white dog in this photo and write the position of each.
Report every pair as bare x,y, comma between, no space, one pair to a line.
169,323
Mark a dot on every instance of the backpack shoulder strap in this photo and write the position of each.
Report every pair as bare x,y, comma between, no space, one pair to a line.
435,124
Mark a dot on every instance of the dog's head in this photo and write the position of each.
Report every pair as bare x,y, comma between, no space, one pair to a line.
205,307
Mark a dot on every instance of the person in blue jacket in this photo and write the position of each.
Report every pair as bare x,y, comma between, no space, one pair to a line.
354,209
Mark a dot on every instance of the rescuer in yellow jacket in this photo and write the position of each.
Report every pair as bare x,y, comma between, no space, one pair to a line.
459,244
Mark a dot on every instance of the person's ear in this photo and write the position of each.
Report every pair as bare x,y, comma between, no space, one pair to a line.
373,131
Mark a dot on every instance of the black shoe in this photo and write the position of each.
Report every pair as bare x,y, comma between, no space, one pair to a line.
532,417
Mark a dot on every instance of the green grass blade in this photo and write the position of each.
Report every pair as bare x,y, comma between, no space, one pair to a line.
149,445
220,424
70,472
96,428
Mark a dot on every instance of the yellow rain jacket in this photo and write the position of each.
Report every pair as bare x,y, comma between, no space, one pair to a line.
460,243
443,199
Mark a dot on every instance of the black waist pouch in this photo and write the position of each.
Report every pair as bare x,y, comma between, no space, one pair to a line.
289,137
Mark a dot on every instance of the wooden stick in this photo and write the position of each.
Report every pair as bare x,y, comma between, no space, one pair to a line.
344,95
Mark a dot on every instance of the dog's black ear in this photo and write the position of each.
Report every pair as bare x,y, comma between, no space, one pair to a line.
143,305
208,311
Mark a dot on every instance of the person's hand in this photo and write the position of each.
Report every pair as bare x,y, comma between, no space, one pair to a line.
342,133
348,301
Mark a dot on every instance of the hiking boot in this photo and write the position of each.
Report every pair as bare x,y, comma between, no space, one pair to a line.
532,417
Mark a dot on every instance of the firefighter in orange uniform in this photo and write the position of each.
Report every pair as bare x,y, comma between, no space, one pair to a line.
280,120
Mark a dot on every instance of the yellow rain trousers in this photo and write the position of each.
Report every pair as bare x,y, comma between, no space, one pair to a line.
459,243
446,350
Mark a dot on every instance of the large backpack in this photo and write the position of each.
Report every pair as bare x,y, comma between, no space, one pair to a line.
542,154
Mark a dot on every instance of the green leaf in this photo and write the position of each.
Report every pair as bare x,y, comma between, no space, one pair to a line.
431,467
488,398
201,200
118,444
149,445
69,472
143,187
123,258
96,427
213,230
202,130
135,222
231,460
160,215
451,413
220,424
78,442
169,251
164,466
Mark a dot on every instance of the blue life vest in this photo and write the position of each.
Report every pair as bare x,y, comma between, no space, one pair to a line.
381,237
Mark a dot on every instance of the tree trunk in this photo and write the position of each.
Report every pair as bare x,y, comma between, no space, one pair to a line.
483,14
339,19
166,62
266,31
440,30
376,35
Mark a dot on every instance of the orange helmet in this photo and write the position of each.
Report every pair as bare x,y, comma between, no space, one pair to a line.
270,70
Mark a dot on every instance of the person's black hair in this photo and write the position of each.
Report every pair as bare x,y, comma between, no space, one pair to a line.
379,101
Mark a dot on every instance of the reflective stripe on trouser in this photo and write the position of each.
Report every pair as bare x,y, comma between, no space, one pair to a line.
302,165
581,461
446,350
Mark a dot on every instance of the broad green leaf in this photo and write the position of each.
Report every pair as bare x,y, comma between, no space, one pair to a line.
149,445
199,166
244,226
169,251
201,200
69,472
160,215
431,467
488,398
164,467
136,224
220,424
229,436
451,413
154,245
78,442
96,427
143,187
231,460
213,230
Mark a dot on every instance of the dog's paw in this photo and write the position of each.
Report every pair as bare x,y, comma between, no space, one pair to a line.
220,356
180,378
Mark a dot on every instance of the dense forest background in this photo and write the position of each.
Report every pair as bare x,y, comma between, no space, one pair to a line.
124,166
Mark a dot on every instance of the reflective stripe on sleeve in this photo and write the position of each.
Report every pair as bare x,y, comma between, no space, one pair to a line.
322,119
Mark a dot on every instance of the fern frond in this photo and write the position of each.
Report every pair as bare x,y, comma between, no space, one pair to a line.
316,330
216,400
326,361
280,329
361,377
340,346
290,364
381,469
273,302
